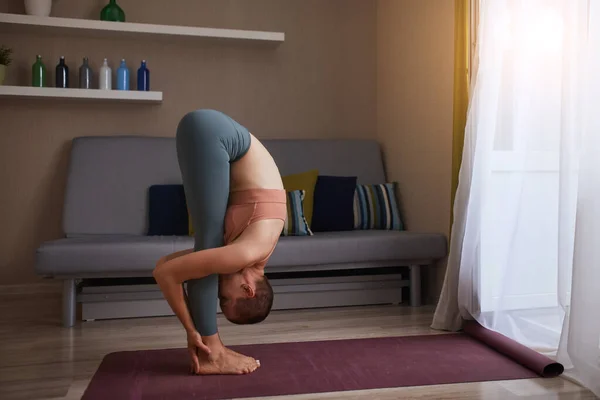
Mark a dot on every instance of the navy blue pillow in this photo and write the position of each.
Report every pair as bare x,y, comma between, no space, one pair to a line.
333,208
167,211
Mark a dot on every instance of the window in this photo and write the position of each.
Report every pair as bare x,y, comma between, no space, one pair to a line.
522,183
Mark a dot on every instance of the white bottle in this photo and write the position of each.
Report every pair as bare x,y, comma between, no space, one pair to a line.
105,76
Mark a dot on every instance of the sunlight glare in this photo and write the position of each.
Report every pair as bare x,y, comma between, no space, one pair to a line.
539,33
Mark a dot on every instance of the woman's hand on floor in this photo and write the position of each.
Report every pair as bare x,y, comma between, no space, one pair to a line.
195,344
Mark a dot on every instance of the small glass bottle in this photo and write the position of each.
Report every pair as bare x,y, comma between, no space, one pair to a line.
123,76
85,75
38,73
143,77
105,78
62,74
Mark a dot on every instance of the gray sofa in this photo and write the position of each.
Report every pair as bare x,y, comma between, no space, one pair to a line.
105,225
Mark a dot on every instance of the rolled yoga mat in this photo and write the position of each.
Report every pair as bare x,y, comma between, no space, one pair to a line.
307,367
538,363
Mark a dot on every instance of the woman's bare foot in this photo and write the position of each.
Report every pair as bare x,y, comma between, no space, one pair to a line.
241,355
227,362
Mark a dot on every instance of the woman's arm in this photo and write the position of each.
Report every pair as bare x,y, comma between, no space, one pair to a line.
177,299
172,271
199,264
254,245
174,255
174,293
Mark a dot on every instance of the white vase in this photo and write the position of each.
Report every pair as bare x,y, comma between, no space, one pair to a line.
2,73
40,8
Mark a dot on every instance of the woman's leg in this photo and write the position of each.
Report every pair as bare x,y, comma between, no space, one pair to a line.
207,142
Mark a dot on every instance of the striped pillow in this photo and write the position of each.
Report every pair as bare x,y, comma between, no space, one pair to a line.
375,207
295,224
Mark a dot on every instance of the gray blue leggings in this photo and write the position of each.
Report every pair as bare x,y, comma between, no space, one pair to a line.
207,142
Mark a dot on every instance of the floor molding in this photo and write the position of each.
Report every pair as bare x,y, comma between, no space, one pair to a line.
32,288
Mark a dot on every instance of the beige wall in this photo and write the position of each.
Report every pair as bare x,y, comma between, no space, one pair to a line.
348,69
320,83
414,111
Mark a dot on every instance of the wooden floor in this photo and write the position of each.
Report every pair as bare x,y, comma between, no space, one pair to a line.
41,360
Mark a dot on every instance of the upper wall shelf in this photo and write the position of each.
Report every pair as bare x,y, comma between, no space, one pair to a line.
34,24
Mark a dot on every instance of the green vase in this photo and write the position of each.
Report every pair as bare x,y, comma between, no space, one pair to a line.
112,12
38,73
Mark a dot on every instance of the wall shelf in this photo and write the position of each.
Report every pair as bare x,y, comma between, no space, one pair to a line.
34,24
128,96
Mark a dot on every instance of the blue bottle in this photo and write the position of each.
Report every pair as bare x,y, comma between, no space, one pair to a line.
123,76
143,77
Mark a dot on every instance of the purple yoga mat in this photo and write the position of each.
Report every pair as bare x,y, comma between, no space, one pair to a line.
538,363
307,367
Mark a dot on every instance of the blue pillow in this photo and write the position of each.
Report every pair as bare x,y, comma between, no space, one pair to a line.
167,211
295,223
376,207
333,208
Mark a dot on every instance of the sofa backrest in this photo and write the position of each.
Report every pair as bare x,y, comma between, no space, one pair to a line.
109,177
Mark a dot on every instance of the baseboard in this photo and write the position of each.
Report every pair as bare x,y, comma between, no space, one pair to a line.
33,288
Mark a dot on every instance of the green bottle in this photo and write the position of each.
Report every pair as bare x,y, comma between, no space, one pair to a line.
38,73
112,12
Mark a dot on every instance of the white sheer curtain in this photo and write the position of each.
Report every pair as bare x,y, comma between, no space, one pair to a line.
525,248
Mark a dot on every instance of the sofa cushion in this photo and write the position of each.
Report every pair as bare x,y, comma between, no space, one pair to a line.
106,254
376,207
107,188
357,246
305,181
295,223
333,209
167,211
112,255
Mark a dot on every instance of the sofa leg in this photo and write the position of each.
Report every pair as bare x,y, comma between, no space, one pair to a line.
69,303
415,285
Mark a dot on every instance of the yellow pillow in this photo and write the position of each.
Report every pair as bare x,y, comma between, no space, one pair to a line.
303,181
